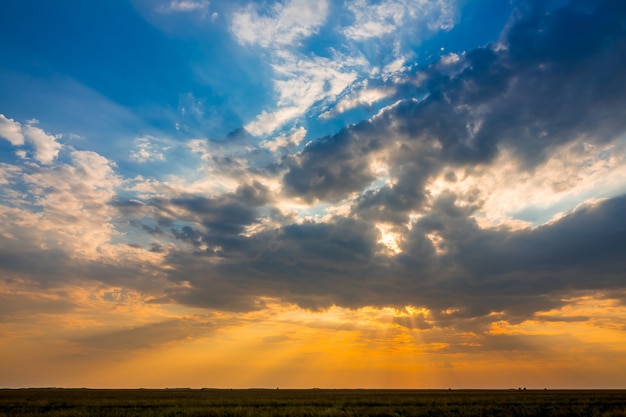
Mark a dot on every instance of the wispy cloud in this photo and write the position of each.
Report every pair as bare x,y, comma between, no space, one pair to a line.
279,25
185,6
301,83
301,80
148,148
360,97
376,19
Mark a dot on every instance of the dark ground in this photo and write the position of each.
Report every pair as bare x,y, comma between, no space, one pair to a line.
330,403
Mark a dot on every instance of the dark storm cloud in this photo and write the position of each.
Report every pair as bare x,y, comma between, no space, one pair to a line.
586,239
557,77
530,270
565,79
220,220
478,272
199,220
229,213
308,262
412,164
331,168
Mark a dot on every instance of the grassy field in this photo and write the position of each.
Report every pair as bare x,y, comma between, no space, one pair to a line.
330,403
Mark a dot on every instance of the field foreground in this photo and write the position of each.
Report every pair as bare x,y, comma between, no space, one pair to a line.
322,402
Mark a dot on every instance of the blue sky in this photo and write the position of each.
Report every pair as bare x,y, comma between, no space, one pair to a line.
194,70
459,162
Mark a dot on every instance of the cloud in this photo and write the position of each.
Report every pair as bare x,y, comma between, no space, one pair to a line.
301,80
305,80
59,214
46,146
298,263
295,136
147,149
185,6
446,260
211,227
300,83
527,114
8,173
498,102
280,24
364,98
16,306
229,213
73,198
377,19
520,272
330,169
477,273
11,130
525,250
374,20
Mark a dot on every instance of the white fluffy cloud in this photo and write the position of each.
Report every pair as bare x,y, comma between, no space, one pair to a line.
293,138
281,24
46,146
74,199
11,130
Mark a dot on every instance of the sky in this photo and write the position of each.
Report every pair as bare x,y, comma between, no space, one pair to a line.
335,194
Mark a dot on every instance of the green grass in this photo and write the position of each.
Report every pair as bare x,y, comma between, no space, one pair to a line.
310,403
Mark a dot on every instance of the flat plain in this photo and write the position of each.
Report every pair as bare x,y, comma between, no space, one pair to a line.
314,402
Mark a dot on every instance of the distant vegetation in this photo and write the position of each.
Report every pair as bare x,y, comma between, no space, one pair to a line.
310,403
